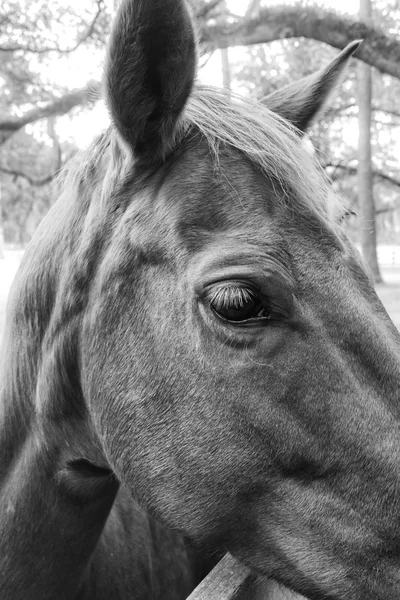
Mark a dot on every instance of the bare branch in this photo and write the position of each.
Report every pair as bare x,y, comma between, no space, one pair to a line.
253,8
386,209
207,8
35,182
15,173
59,106
387,111
382,109
83,38
376,173
283,21
353,171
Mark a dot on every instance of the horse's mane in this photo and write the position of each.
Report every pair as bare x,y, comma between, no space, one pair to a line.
267,140
270,143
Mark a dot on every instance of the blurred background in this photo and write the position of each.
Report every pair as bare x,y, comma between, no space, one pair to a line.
51,57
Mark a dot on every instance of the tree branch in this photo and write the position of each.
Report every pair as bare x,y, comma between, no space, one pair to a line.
387,111
207,8
353,171
60,106
278,22
85,36
386,209
376,173
375,108
35,182
58,161
253,8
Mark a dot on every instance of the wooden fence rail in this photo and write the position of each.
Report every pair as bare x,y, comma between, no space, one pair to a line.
230,580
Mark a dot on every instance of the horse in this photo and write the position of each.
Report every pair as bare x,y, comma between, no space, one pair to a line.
195,360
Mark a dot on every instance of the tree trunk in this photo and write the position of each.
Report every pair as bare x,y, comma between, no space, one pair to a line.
226,69
1,228
365,177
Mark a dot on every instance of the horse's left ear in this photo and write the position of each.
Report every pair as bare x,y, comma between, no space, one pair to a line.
149,74
300,102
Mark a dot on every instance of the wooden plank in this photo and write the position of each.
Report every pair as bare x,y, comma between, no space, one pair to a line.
227,581
230,580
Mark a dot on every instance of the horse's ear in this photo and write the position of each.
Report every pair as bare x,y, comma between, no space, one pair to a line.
149,74
300,102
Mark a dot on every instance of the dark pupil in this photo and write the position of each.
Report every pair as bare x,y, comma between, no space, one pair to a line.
242,313
239,308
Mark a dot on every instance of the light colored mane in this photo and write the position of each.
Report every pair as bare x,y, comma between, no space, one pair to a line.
270,142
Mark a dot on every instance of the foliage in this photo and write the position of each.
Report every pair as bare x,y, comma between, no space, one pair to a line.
35,36
44,52
264,68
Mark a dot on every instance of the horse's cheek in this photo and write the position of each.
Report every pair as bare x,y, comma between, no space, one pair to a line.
168,440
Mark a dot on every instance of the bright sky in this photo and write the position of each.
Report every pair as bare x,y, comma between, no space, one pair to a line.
80,67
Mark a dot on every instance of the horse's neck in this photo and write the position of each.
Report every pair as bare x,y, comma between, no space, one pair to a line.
46,539
49,522
137,558
48,531
56,542
61,536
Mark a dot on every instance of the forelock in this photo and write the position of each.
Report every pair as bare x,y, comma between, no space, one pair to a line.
271,143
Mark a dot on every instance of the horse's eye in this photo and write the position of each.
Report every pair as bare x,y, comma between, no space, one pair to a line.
237,304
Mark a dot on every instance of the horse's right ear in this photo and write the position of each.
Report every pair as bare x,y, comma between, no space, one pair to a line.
149,74
300,102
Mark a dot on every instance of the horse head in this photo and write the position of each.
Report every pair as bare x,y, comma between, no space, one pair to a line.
213,328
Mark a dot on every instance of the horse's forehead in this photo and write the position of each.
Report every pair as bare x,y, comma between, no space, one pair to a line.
203,194
199,199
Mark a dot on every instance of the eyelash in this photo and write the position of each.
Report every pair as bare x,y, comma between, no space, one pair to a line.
231,296
237,304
